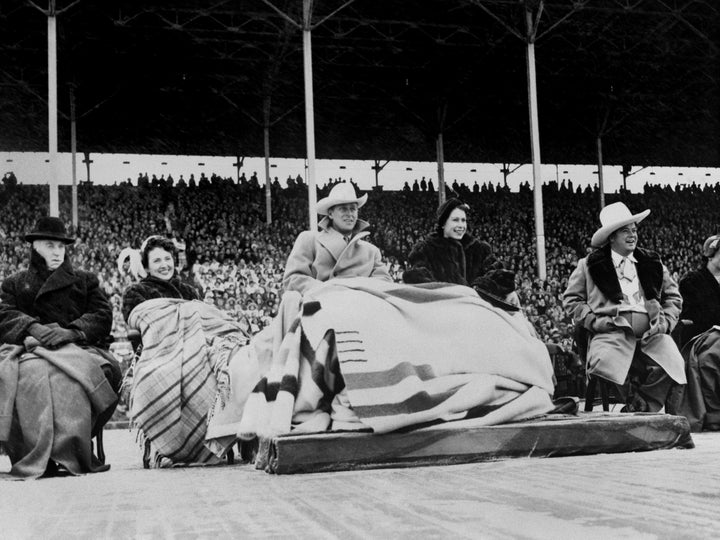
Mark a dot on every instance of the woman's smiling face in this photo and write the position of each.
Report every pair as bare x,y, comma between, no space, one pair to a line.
161,264
455,225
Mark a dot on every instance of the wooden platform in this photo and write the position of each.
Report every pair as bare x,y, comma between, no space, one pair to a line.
463,442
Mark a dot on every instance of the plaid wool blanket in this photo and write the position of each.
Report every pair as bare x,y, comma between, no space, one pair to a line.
182,377
361,353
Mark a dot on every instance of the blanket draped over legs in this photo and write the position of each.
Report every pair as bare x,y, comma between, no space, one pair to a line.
181,399
365,354
50,402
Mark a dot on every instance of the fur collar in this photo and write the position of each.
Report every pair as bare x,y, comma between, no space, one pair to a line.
649,269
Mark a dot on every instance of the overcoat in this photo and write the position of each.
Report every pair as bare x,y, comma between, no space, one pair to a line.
594,290
701,302
318,256
68,296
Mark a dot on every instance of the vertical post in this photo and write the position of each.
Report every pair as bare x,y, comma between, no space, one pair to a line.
309,112
266,141
73,150
535,145
53,180
441,168
601,185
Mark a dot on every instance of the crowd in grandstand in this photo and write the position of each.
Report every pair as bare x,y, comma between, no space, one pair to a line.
237,260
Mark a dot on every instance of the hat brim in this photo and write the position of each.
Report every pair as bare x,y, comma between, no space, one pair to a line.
31,237
496,300
600,237
327,203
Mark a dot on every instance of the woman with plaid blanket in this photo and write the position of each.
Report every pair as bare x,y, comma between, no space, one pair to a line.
181,377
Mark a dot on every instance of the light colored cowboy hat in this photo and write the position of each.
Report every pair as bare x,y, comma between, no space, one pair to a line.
342,193
613,217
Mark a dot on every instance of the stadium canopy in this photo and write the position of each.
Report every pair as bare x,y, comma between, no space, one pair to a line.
205,77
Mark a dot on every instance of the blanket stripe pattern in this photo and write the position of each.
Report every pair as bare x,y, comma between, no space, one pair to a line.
399,356
180,374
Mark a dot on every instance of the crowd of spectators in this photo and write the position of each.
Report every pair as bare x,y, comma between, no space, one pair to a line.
237,260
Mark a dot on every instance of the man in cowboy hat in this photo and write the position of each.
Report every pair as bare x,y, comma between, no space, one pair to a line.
338,249
624,297
55,323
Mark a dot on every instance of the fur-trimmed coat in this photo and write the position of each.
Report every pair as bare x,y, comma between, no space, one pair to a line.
437,258
593,291
152,287
701,302
67,296
322,255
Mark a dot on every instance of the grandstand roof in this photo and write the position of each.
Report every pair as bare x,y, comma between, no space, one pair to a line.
191,76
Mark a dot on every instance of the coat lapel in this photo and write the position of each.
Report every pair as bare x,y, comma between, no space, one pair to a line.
649,268
63,277
602,271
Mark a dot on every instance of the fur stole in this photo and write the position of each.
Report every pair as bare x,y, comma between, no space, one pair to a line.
649,270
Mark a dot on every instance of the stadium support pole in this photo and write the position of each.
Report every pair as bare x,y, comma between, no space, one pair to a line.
309,112
441,168
535,145
266,141
601,184
52,113
73,151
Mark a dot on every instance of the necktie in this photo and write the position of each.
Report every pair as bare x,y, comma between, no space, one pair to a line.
347,239
626,269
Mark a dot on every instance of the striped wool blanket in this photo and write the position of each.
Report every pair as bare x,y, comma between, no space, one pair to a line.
364,353
182,377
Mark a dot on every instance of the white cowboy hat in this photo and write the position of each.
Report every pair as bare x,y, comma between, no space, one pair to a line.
613,217
342,193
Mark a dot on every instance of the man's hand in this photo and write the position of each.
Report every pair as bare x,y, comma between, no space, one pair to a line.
52,336
659,326
40,332
601,324
60,336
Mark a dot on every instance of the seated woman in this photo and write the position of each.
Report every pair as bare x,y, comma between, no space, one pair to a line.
58,383
449,254
181,380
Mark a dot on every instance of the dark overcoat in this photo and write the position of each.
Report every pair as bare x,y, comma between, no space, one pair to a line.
701,302
69,297
152,287
437,258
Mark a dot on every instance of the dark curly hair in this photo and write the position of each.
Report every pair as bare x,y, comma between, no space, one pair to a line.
157,242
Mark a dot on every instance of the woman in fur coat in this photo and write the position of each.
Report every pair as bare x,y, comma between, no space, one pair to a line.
449,254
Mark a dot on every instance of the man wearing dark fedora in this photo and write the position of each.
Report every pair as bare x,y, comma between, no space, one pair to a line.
59,383
626,299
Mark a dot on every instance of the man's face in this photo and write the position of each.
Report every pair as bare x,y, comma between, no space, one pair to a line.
624,240
344,217
53,251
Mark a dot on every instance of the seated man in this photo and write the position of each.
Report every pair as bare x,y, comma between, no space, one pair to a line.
700,290
58,383
338,249
624,296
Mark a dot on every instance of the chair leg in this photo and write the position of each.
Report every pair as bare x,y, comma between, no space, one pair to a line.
100,448
146,455
230,457
605,394
590,394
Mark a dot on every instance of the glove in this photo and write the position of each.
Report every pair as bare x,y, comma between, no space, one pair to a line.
60,336
659,326
497,282
40,332
601,324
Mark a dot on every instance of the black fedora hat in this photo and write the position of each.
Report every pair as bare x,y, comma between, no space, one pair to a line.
49,228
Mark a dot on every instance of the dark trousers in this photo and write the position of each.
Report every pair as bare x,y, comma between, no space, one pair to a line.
648,380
